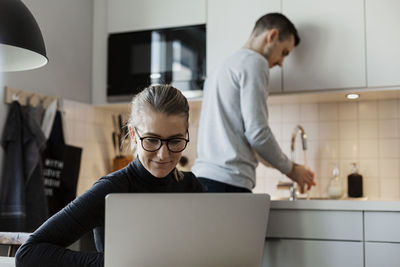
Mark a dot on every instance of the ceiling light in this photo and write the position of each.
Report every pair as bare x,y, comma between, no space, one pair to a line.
352,96
21,42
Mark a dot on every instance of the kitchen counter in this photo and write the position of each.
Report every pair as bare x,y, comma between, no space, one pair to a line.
329,204
334,233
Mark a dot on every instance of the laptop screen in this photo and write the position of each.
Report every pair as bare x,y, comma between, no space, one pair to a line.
185,229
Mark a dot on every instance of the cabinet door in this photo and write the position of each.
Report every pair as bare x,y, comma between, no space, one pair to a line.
312,253
382,254
331,53
136,15
382,226
229,24
383,42
315,224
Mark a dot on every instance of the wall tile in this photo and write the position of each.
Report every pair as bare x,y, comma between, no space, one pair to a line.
389,148
309,113
275,113
369,168
328,111
367,110
348,149
387,109
368,148
329,149
388,128
290,113
389,189
388,168
372,189
368,129
328,130
348,129
348,111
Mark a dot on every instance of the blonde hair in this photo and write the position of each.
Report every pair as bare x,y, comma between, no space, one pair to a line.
164,99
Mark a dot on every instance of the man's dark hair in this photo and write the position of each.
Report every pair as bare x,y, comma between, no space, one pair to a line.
277,21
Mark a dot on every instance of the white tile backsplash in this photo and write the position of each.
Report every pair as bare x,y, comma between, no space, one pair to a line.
367,129
389,148
367,110
388,128
387,109
348,129
290,113
309,113
328,111
348,111
365,132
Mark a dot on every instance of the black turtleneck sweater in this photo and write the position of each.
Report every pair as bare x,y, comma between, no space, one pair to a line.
47,245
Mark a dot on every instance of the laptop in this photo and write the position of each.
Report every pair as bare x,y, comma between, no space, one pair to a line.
185,229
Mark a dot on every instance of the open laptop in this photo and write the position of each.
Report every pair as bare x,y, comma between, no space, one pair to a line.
185,229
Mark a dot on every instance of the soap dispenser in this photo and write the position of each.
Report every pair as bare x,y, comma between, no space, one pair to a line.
355,183
335,186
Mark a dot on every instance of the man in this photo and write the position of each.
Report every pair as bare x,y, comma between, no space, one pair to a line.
234,116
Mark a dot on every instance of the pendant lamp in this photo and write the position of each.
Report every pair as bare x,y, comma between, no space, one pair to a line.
21,42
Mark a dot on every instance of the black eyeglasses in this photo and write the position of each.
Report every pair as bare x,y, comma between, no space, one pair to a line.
152,144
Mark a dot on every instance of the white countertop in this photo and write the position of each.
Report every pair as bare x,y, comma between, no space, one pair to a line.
346,204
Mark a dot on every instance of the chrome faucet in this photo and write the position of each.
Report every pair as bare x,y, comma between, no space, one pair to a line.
291,185
298,129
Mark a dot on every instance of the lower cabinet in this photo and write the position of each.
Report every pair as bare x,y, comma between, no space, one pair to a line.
382,254
312,253
314,238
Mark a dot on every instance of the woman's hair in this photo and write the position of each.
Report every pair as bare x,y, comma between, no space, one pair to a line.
163,99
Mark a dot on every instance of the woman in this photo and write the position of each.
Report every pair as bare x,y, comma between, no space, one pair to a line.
158,125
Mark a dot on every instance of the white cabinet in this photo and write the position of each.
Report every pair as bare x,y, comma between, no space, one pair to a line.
314,238
135,15
383,42
382,238
382,226
382,254
331,53
312,253
229,24
315,224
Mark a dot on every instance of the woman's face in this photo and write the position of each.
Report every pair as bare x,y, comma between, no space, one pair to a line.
154,124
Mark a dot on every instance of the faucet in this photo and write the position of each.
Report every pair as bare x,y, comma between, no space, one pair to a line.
291,185
298,129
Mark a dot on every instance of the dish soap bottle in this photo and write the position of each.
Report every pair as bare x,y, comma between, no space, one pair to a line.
355,183
335,187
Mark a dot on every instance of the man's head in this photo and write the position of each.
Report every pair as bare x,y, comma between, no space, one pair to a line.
273,36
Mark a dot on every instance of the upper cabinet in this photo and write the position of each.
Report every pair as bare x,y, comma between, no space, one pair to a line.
229,24
136,15
383,42
331,54
344,44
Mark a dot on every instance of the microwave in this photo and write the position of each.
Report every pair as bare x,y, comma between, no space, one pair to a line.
175,56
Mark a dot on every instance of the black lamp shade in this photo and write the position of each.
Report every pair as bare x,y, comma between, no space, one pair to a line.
21,42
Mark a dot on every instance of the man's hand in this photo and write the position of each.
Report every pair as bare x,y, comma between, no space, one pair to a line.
302,176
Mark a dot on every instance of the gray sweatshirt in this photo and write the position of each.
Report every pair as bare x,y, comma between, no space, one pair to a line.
234,122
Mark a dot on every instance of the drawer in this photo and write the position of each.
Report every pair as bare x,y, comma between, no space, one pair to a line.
382,254
316,224
382,226
312,253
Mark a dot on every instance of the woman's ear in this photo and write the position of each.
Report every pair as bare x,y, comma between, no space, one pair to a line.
132,133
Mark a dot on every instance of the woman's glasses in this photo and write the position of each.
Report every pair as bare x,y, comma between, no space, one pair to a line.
152,144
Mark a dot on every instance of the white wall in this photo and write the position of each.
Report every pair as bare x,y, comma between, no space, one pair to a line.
66,26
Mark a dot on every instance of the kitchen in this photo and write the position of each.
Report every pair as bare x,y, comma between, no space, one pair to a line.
342,51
